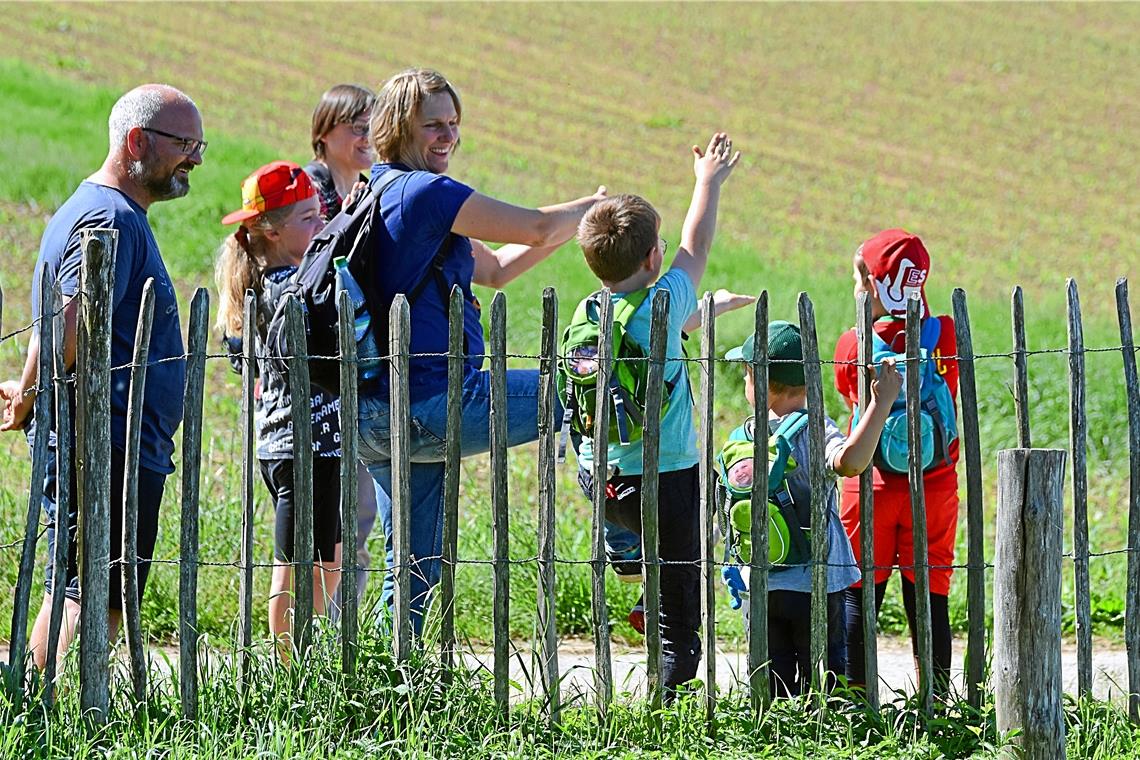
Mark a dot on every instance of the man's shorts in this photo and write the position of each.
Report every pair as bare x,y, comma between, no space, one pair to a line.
894,534
150,488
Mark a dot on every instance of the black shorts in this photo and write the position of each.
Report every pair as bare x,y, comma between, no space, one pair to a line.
278,476
150,490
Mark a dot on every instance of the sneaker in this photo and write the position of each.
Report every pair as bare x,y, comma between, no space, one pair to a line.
626,564
637,616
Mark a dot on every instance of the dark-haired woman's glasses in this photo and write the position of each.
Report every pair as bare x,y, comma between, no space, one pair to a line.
359,129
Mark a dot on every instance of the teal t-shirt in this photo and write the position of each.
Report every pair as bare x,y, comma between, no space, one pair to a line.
678,433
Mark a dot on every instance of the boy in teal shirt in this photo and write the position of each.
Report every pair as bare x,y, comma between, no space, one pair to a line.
620,239
789,585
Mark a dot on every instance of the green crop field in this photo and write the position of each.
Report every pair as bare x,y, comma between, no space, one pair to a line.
1006,136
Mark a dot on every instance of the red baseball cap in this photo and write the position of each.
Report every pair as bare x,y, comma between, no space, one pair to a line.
281,183
900,265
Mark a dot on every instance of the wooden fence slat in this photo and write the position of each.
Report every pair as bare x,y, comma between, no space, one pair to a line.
63,424
300,391
198,336
452,456
975,518
1132,600
46,337
925,648
651,492
864,335
248,478
1027,600
1078,441
603,672
1020,370
97,283
130,522
548,429
759,679
707,469
817,470
500,499
349,494
399,325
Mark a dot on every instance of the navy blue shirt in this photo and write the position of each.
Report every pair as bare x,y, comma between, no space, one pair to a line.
418,209
137,258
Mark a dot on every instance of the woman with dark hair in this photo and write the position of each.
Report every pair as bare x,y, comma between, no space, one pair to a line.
341,150
433,226
341,155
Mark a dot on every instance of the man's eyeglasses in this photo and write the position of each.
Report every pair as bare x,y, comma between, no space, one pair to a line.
664,246
187,145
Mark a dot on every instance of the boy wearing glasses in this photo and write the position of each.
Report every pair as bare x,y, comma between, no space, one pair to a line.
620,239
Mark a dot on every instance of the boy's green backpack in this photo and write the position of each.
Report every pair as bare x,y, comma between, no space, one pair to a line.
789,509
577,373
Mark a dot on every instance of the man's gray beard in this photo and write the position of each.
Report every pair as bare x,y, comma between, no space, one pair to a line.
160,188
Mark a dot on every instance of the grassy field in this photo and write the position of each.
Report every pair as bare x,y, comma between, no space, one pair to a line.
1004,136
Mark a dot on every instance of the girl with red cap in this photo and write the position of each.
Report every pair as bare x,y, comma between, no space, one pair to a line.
280,214
889,267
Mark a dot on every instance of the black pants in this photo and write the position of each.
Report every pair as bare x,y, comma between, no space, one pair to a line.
680,549
278,477
789,640
939,632
150,487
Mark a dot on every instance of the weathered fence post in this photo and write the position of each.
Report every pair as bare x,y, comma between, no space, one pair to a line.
1027,599
1132,601
1020,370
864,336
452,452
603,672
759,680
1078,439
63,425
130,523
46,338
548,429
399,324
925,649
500,500
300,391
817,471
651,492
707,443
191,489
349,495
97,284
975,525
248,478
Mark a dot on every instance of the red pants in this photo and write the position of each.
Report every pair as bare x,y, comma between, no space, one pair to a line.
894,533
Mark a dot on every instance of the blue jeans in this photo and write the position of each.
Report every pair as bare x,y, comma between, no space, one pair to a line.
427,429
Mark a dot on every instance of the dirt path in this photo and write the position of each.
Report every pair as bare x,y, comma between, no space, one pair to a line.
896,667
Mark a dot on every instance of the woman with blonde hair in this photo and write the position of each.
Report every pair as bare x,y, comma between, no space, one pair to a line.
433,228
280,214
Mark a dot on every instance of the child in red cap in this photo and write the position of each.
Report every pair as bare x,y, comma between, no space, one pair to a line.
889,267
280,214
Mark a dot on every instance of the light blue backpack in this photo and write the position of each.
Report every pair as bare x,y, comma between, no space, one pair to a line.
938,420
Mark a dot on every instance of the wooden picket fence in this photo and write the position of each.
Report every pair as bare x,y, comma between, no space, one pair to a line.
1038,485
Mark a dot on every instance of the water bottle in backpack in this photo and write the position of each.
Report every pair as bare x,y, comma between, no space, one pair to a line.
366,348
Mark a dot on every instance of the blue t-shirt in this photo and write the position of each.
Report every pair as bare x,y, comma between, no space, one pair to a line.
418,210
678,434
137,258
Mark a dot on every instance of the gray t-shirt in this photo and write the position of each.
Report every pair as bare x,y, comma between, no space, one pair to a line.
841,568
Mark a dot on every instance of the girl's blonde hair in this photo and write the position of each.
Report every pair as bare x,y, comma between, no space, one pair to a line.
396,109
240,264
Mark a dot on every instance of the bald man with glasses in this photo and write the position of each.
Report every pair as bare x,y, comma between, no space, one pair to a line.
156,141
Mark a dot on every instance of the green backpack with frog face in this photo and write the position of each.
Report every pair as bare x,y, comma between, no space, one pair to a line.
789,509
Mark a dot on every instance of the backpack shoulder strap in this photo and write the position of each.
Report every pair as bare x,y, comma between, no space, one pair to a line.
931,334
788,429
628,305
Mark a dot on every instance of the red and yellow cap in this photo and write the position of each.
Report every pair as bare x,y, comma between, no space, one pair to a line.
281,183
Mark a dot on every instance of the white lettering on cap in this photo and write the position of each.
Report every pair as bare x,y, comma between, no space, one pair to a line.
908,279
